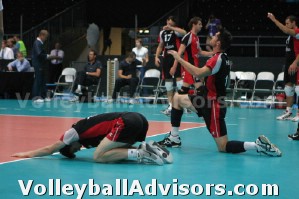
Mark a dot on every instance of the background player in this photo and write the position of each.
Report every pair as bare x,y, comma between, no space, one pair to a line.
113,135
169,40
291,59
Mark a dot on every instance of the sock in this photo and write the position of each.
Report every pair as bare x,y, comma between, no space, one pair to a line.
79,87
289,109
170,106
249,146
235,147
174,131
132,154
175,117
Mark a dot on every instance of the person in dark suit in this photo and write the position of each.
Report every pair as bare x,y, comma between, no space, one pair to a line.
39,57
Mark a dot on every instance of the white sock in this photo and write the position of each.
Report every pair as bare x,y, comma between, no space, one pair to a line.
132,154
250,146
174,131
289,109
170,106
79,87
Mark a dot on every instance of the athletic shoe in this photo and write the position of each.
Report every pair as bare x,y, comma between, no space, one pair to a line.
74,99
47,99
132,101
166,112
110,101
285,116
162,152
266,147
295,119
188,111
168,142
39,101
294,136
78,91
147,155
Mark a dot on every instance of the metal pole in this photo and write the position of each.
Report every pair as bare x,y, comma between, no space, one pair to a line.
21,27
136,26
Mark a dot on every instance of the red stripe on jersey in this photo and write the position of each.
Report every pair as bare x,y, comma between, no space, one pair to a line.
215,124
214,63
296,42
116,130
191,41
103,128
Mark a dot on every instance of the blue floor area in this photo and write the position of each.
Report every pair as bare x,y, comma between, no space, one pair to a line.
197,168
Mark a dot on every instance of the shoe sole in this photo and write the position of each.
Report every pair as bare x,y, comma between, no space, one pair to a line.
265,140
158,160
162,152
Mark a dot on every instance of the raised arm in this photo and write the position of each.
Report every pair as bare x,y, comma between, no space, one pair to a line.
282,27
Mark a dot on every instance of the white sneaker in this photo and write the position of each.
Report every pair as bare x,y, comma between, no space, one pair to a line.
266,147
39,101
285,116
295,119
47,99
167,111
132,101
110,101
74,99
78,91
147,155
162,152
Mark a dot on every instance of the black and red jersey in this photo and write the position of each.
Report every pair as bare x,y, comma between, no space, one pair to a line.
191,41
217,81
292,48
170,40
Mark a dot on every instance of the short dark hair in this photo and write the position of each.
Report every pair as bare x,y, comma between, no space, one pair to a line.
66,151
194,20
225,39
293,18
172,18
131,55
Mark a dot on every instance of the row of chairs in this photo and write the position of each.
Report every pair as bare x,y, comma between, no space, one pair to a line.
66,81
247,86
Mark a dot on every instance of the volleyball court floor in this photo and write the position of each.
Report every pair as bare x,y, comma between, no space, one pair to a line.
198,170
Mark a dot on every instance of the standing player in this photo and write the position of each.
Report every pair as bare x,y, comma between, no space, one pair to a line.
113,135
210,103
291,59
190,46
169,40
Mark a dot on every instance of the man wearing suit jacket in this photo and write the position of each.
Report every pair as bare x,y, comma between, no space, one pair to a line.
39,57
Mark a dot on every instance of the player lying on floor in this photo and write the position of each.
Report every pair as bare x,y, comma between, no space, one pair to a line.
113,135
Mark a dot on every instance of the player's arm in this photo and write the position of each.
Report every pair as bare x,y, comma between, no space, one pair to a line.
294,66
206,53
47,150
282,27
158,52
193,70
181,31
175,64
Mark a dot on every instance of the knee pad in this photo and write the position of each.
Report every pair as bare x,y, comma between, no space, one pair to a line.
183,90
297,90
179,84
169,86
289,91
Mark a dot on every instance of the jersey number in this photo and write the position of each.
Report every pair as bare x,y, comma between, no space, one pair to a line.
167,37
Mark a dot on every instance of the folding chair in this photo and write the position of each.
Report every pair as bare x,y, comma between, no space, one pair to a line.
264,83
279,83
231,85
94,88
149,84
160,92
65,82
245,83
